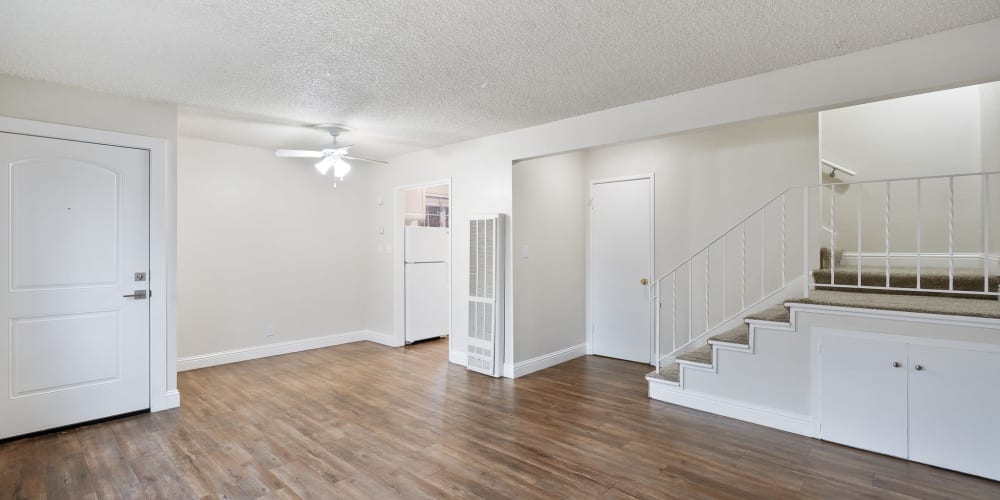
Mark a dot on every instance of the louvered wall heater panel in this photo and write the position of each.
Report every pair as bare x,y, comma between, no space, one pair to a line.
486,278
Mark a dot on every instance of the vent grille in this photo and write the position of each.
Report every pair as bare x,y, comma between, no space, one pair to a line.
484,342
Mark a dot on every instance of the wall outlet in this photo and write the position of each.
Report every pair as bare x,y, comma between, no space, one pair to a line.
269,331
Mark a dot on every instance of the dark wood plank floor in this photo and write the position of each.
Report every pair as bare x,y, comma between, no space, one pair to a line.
363,420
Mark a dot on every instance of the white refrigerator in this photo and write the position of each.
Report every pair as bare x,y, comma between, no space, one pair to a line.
426,282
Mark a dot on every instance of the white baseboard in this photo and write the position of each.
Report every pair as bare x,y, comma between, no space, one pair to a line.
382,338
544,361
768,417
173,399
263,351
458,358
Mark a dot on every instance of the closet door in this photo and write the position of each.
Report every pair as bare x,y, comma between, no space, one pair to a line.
954,409
863,393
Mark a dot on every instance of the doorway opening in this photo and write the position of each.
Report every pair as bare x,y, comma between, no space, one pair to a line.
425,232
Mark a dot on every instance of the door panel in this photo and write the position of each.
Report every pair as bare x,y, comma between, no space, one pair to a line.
75,217
862,395
45,352
58,204
620,246
954,408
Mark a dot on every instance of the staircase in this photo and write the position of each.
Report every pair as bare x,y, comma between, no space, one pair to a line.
780,317
755,274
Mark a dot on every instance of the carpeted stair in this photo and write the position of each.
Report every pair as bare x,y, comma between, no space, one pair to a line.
950,306
931,279
934,281
735,338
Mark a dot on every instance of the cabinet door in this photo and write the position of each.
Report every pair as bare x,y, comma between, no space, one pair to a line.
862,393
954,407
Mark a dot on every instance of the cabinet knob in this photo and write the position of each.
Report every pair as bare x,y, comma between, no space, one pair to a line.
895,364
918,368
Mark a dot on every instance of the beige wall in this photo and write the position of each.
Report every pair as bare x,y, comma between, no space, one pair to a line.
47,102
549,206
707,181
929,134
266,242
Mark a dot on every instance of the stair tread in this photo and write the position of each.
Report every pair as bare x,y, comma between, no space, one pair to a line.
701,355
932,279
739,335
777,314
670,373
976,308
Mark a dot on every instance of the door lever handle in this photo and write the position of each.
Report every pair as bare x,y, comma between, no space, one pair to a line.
138,295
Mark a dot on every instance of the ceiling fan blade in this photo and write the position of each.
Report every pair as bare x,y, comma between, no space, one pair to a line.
362,159
298,153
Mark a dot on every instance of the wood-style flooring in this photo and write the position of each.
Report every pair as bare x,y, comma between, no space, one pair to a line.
367,421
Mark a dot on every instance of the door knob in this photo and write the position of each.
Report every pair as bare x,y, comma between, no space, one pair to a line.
895,364
918,368
644,281
137,295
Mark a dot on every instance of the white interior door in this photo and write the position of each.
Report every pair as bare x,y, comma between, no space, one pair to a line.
620,259
863,393
954,408
76,220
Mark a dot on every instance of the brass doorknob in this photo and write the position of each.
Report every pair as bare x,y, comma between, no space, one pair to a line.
644,281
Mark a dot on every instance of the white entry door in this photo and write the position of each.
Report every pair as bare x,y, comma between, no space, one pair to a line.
620,261
75,217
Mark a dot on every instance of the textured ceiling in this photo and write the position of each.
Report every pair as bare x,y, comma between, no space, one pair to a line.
412,74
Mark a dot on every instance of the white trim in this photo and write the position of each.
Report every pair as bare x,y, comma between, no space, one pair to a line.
760,415
267,350
909,259
588,346
544,361
173,399
968,345
937,319
162,310
382,338
458,357
398,267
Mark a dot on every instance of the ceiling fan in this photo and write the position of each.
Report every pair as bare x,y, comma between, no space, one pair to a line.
330,158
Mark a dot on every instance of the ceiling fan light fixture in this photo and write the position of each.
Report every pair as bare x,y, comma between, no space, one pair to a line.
341,168
323,166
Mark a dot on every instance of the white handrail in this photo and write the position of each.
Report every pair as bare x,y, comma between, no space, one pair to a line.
716,240
834,168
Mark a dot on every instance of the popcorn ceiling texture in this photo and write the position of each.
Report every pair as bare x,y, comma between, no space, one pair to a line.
418,74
